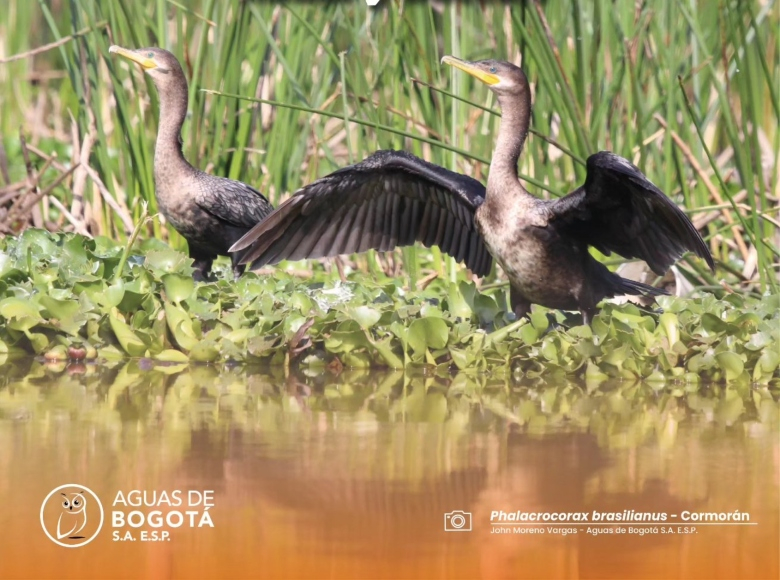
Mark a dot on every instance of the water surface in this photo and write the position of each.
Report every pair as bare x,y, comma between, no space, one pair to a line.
350,474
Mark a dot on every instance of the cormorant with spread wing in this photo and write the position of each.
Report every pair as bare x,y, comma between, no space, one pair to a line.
210,212
393,199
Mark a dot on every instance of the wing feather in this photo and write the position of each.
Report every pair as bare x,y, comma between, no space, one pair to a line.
619,210
389,199
232,202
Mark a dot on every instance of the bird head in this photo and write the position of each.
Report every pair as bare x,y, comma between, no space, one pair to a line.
158,63
503,78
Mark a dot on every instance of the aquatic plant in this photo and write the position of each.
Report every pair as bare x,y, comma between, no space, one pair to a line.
66,296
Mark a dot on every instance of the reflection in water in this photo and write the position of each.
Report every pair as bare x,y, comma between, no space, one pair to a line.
350,475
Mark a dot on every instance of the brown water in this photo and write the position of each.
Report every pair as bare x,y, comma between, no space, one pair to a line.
350,476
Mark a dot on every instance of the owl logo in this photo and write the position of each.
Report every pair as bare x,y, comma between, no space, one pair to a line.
64,515
75,513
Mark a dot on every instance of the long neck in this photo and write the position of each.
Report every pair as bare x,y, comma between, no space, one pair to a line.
168,155
515,118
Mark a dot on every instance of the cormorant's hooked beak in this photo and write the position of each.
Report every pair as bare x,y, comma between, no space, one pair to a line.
469,67
146,62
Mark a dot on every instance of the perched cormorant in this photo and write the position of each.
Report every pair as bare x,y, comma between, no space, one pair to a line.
393,199
211,212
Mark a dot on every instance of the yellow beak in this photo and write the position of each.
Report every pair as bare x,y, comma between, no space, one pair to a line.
146,62
485,77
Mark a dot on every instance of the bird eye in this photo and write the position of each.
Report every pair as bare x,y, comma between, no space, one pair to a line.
66,504
150,54
493,69
76,502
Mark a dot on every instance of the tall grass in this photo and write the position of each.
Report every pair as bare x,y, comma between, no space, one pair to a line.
687,89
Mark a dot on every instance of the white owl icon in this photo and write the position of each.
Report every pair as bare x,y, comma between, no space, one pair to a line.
75,515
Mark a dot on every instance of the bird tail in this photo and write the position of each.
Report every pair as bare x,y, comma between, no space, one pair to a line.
633,288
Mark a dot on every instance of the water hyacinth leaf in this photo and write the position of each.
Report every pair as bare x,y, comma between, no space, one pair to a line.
20,314
427,333
358,360
385,349
300,302
292,323
59,308
468,290
72,257
671,326
769,360
461,358
38,341
131,300
731,363
712,323
5,264
104,248
529,334
429,309
262,345
347,340
458,306
204,351
112,296
748,321
127,339
485,308
178,287
539,319
759,340
168,261
181,327
365,316
39,242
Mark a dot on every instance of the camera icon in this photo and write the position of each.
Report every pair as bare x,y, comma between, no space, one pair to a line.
457,521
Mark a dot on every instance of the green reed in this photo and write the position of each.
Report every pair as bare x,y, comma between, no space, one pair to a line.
604,75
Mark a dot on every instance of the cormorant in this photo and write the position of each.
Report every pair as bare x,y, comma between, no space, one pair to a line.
210,212
393,199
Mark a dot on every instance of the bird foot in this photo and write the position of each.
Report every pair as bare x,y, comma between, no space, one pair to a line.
553,324
200,276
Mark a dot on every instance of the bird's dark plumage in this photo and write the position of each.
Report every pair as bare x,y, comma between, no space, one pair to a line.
210,212
393,199
619,210
390,199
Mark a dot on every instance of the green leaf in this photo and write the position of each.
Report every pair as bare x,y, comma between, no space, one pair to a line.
365,316
181,326
170,355
178,287
168,261
427,333
59,308
20,314
128,340
204,351
539,320
731,363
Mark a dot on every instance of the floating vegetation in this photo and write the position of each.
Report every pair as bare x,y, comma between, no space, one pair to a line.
65,296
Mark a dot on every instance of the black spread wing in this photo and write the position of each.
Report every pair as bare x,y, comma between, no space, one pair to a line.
232,202
619,210
390,199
